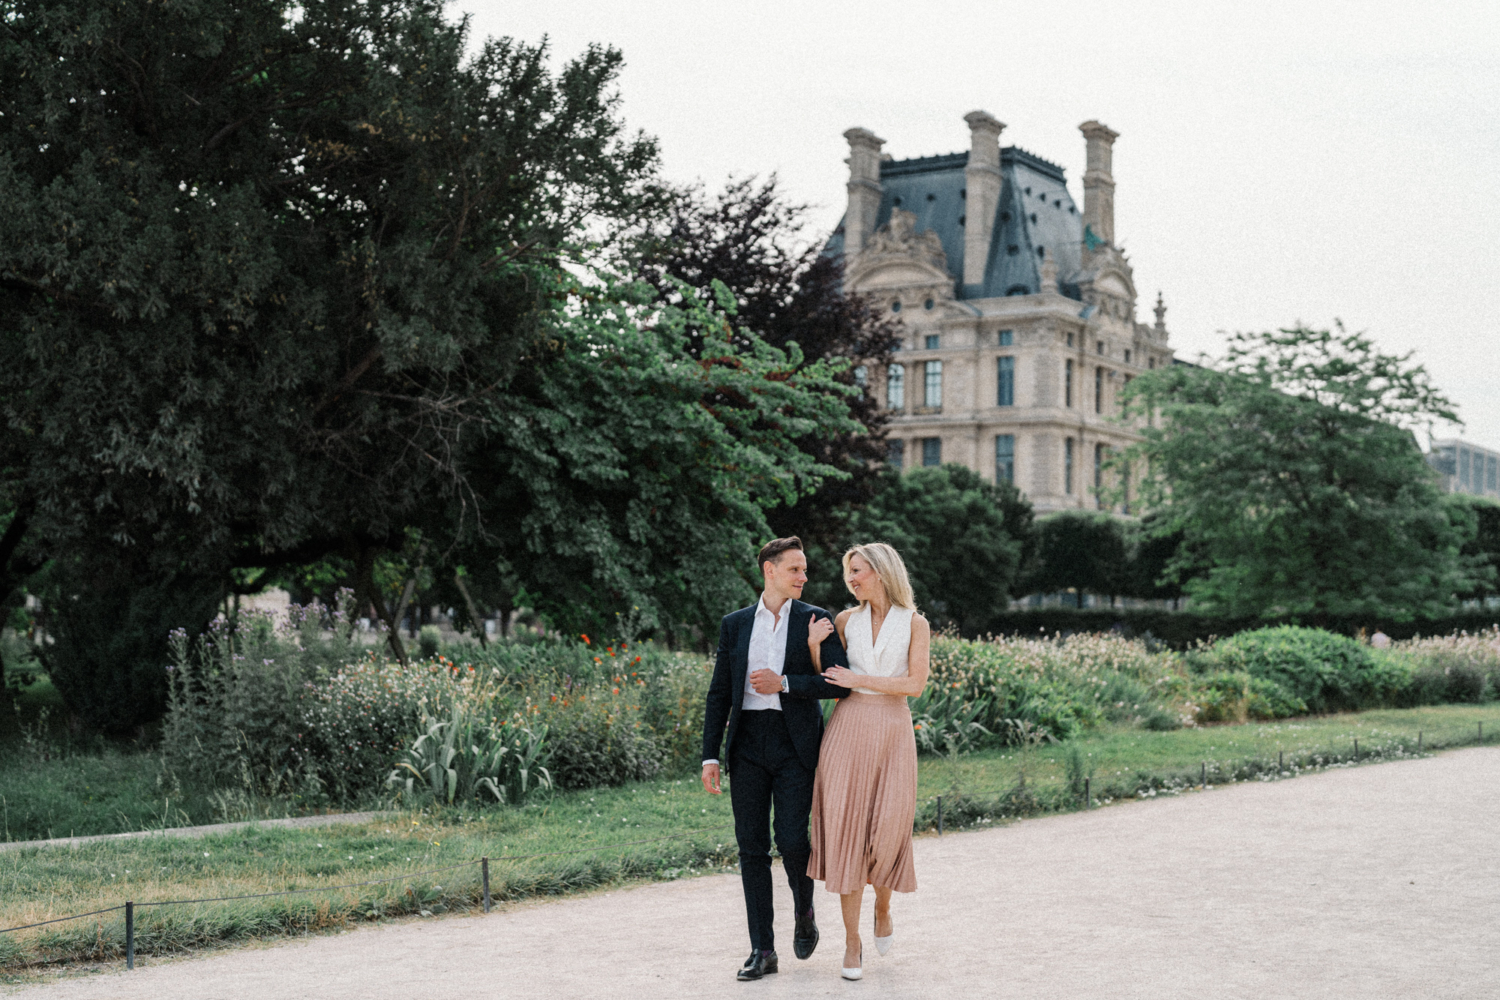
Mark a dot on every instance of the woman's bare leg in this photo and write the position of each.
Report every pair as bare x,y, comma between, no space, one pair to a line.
850,903
883,927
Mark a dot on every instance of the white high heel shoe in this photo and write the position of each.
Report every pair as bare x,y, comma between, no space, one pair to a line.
883,944
858,971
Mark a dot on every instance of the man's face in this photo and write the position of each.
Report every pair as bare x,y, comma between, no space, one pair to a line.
787,574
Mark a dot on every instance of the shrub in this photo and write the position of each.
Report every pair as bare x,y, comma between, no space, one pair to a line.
1238,696
1058,684
1329,673
1456,668
463,759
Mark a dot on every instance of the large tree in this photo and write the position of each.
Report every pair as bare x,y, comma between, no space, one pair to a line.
754,240
950,526
1292,472
282,282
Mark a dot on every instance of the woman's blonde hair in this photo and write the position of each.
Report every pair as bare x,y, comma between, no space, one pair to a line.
887,564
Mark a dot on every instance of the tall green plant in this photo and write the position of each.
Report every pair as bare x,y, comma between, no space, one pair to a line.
459,760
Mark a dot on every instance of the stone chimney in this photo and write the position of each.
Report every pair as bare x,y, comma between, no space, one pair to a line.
1099,184
864,188
1048,274
982,181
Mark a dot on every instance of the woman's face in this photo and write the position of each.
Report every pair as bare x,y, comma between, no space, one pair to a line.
864,581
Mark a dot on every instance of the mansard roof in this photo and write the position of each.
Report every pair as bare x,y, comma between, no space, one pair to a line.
1035,213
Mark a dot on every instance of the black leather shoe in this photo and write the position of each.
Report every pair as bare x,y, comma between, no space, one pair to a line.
805,939
758,965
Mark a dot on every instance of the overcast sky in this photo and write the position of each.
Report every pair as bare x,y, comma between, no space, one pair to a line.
1276,162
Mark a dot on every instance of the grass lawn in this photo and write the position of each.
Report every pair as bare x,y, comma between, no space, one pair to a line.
36,884
54,785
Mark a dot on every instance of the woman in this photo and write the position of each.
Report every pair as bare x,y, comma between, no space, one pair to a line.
865,791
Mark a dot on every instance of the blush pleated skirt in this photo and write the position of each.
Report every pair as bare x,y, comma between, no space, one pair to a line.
865,796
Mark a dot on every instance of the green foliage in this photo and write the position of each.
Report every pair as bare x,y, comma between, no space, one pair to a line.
1057,686
1293,476
946,722
428,642
1329,673
483,761
108,653
950,526
1083,551
1238,696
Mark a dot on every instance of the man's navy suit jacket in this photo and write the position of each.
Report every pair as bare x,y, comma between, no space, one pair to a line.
799,704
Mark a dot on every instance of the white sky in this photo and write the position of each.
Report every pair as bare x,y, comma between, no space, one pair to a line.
1277,161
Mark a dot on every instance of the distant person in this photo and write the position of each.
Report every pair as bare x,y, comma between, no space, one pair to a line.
765,691
865,798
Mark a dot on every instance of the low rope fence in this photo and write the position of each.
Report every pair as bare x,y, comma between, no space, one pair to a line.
130,906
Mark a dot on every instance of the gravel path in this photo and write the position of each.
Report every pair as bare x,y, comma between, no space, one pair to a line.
332,819
1379,881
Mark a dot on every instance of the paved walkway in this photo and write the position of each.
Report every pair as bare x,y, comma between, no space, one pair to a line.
332,819
1380,881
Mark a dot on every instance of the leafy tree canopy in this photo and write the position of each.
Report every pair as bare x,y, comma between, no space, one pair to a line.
949,524
282,283
753,240
1082,551
1292,472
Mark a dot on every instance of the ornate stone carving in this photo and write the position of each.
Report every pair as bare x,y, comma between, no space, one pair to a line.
899,238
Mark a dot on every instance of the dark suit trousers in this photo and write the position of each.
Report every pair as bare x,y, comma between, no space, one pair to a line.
764,770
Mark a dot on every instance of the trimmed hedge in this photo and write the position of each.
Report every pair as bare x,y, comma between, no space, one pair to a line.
1182,629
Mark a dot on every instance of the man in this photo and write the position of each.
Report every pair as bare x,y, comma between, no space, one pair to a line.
767,693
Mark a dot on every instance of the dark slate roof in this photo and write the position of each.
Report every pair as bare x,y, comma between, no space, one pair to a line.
1035,212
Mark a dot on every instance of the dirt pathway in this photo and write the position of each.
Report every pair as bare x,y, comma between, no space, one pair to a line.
1378,881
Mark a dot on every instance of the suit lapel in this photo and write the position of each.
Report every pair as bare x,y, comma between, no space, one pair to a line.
796,636
742,654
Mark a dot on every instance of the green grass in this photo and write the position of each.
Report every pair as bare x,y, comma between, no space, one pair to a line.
53,784
980,789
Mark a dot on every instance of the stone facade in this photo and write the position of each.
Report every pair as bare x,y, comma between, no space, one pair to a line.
1019,310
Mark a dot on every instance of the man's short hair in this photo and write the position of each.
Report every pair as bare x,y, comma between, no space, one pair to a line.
773,550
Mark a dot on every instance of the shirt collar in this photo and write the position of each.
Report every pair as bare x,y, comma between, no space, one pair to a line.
761,609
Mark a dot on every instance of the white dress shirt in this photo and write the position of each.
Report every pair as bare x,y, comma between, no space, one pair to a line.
768,652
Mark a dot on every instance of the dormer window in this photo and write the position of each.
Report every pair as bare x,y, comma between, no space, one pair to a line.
895,307
928,305
933,340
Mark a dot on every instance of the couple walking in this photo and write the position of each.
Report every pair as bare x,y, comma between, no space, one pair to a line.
857,782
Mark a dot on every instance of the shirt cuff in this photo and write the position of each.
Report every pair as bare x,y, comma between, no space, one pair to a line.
708,762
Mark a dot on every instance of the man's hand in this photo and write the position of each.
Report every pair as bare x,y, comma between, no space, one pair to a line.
765,681
711,778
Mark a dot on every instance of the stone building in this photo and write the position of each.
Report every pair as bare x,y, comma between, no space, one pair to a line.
1466,468
1018,308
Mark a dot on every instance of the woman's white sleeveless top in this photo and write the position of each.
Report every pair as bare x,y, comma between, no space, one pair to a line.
885,655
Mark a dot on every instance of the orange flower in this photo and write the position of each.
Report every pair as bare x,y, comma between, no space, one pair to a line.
635,661
615,690
585,638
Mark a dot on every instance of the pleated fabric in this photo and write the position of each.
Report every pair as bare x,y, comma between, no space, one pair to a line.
865,796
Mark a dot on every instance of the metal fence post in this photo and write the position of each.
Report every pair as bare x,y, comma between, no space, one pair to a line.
1481,732
484,867
940,815
1419,741
1356,748
1203,775
1281,760
1088,794
130,935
